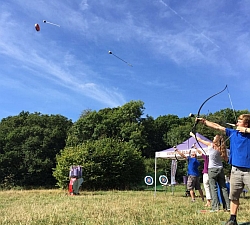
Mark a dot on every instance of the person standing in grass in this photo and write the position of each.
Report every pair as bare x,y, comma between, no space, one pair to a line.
193,182
205,175
216,152
239,158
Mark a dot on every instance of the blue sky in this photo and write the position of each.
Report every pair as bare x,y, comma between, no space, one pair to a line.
181,52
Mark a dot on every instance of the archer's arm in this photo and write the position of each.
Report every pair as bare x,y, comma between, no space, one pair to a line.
180,153
207,143
210,124
197,150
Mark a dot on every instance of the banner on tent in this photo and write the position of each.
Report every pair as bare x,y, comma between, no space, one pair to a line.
173,171
184,147
173,155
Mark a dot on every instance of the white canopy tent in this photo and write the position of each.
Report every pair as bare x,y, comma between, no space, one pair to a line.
184,147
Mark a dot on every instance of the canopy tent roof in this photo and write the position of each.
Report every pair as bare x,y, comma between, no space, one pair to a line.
184,147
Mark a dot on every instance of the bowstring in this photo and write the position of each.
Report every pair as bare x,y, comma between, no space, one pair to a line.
234,112
231,102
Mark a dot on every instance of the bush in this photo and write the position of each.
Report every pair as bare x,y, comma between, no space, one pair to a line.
106,164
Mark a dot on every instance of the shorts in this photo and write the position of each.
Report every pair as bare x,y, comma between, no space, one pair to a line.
193,182
238,179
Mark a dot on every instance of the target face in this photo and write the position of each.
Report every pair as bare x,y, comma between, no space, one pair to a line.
149,180
163,179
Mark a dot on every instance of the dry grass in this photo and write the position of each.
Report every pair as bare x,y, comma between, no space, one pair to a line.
109,208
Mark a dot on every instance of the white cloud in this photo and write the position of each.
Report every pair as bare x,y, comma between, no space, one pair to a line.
84,5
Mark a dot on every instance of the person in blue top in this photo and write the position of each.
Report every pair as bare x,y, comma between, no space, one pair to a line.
239,158
193,182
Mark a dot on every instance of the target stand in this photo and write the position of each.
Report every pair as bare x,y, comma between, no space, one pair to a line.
163,181
149,181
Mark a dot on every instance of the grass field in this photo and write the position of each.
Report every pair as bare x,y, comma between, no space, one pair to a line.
109,207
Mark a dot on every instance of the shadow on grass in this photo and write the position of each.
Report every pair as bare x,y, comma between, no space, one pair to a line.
239,223
246,197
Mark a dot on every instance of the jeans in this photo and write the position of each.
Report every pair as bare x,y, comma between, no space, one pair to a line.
216,175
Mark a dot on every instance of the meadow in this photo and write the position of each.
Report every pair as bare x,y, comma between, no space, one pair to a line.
56,207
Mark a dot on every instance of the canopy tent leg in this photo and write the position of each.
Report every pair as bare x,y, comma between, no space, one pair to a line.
155,174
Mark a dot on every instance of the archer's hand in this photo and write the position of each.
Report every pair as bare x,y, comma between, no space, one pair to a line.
241,129
194,146
191,134
202,120
198,119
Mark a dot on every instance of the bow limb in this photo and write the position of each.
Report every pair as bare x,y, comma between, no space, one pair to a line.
176,157
175,153
198,115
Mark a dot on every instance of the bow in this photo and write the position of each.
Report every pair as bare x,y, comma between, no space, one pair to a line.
198,115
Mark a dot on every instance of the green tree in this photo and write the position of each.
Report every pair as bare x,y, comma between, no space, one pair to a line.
28,147
155,132
122,123
178,133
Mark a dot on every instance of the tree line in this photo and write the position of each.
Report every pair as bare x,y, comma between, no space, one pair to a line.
115,146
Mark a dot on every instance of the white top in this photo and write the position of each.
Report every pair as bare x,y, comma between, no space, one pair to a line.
215,160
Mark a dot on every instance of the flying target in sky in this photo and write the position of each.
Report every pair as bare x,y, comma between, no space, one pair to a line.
37,27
